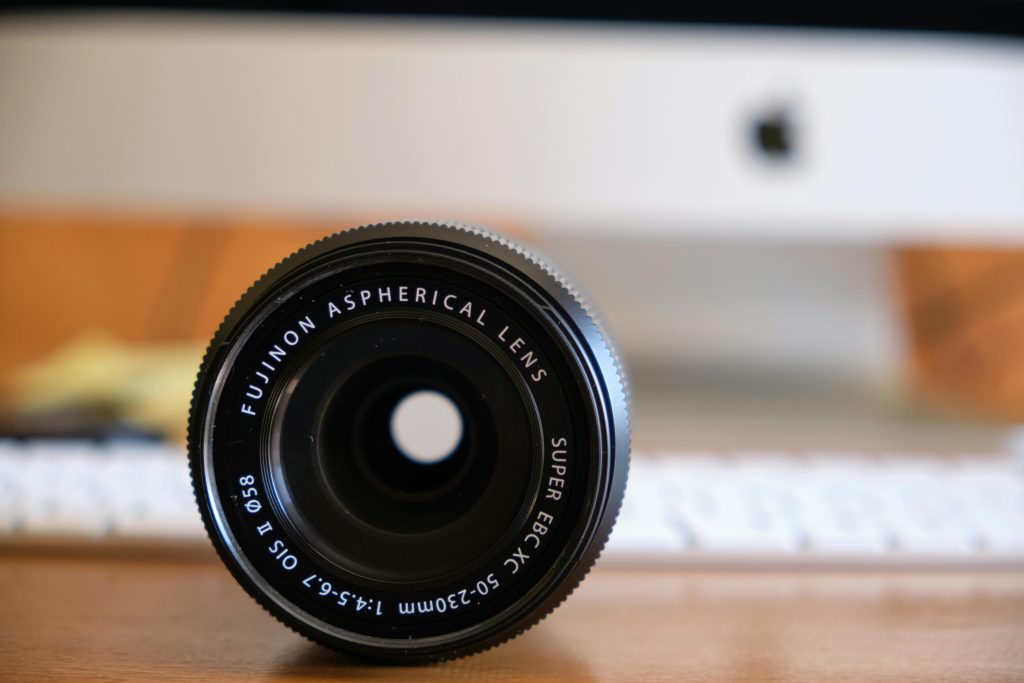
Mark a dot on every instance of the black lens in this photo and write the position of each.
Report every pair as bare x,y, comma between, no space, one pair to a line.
409,441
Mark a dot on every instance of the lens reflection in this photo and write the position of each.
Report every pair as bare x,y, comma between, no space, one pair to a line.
426,427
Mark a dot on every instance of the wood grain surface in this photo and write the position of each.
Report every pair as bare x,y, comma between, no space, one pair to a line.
107,619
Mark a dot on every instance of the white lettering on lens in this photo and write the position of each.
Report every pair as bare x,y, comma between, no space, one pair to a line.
276,353
558,468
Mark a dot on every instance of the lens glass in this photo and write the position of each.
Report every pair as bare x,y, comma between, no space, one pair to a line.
352,492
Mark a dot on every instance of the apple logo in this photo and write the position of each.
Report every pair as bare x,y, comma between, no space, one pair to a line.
774,135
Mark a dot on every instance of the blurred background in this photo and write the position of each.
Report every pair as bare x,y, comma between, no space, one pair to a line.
804,228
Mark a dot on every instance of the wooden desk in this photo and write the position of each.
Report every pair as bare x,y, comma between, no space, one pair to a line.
114,619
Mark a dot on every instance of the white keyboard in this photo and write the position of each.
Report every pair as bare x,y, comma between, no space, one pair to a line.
88,490
844,509
681,507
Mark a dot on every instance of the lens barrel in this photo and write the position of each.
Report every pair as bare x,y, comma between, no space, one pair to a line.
301,459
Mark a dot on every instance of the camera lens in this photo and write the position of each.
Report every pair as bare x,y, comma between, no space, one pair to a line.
409,441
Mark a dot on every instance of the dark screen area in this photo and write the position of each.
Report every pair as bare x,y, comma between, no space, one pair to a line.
1002,17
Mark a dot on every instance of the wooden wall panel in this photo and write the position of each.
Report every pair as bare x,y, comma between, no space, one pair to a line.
138,278
964,313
